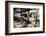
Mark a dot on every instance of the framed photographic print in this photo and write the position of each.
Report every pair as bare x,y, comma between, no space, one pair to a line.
24,17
